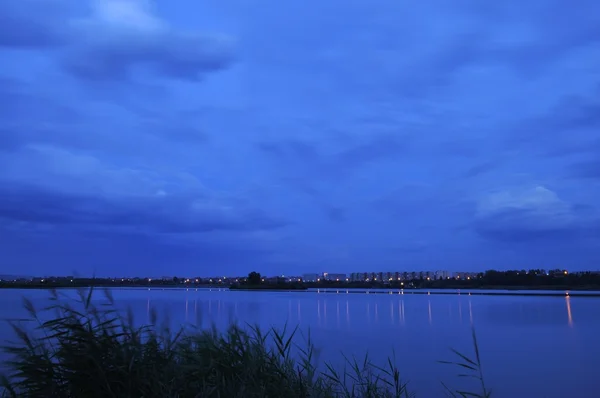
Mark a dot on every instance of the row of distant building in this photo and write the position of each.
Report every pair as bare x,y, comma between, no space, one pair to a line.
387,276
352,277
384,277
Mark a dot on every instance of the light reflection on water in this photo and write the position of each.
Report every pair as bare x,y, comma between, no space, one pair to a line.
532,341
397,315
569,313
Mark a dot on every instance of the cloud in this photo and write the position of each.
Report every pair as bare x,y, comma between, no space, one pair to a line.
336,160
48,185
523,215
116,41
586,170
32,23
32,116
481,168
117,253
159,214
301,150
331,147
565,128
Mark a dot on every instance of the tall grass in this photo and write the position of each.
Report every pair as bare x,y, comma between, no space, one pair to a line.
93,350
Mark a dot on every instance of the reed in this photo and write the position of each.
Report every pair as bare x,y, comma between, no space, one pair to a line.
94,350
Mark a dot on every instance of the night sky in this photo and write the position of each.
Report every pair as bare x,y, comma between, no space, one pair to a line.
223,136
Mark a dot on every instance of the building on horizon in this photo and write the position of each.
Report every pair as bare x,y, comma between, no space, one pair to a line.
311,277
465,275
334,277
391,276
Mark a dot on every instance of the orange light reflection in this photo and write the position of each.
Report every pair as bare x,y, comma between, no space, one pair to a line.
569,313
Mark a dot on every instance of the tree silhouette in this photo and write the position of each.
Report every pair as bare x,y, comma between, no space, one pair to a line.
254,278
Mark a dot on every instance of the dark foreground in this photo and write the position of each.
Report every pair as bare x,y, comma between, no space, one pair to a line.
92,351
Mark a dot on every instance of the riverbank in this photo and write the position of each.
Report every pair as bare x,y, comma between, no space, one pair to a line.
50,286
488,291
96,353
466,292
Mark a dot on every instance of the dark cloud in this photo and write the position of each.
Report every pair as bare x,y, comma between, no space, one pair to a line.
31,117
186,57
372,149
460,147
9,139
335,213
509,227
573,113
409,247
481,168
568,128
587,169
354,155
160,214
32,24
292,148
535,214
575,148
114,42
21,103
526,226
564,29
61,251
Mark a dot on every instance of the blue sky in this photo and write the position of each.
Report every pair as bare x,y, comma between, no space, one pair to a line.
224,136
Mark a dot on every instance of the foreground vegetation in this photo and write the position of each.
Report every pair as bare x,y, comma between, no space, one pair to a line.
89,350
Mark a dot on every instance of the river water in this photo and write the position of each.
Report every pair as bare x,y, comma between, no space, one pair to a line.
530,346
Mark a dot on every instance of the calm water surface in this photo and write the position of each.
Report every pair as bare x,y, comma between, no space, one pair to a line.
530,346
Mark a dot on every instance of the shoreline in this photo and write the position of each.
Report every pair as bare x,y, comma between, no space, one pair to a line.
467,292
487,291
